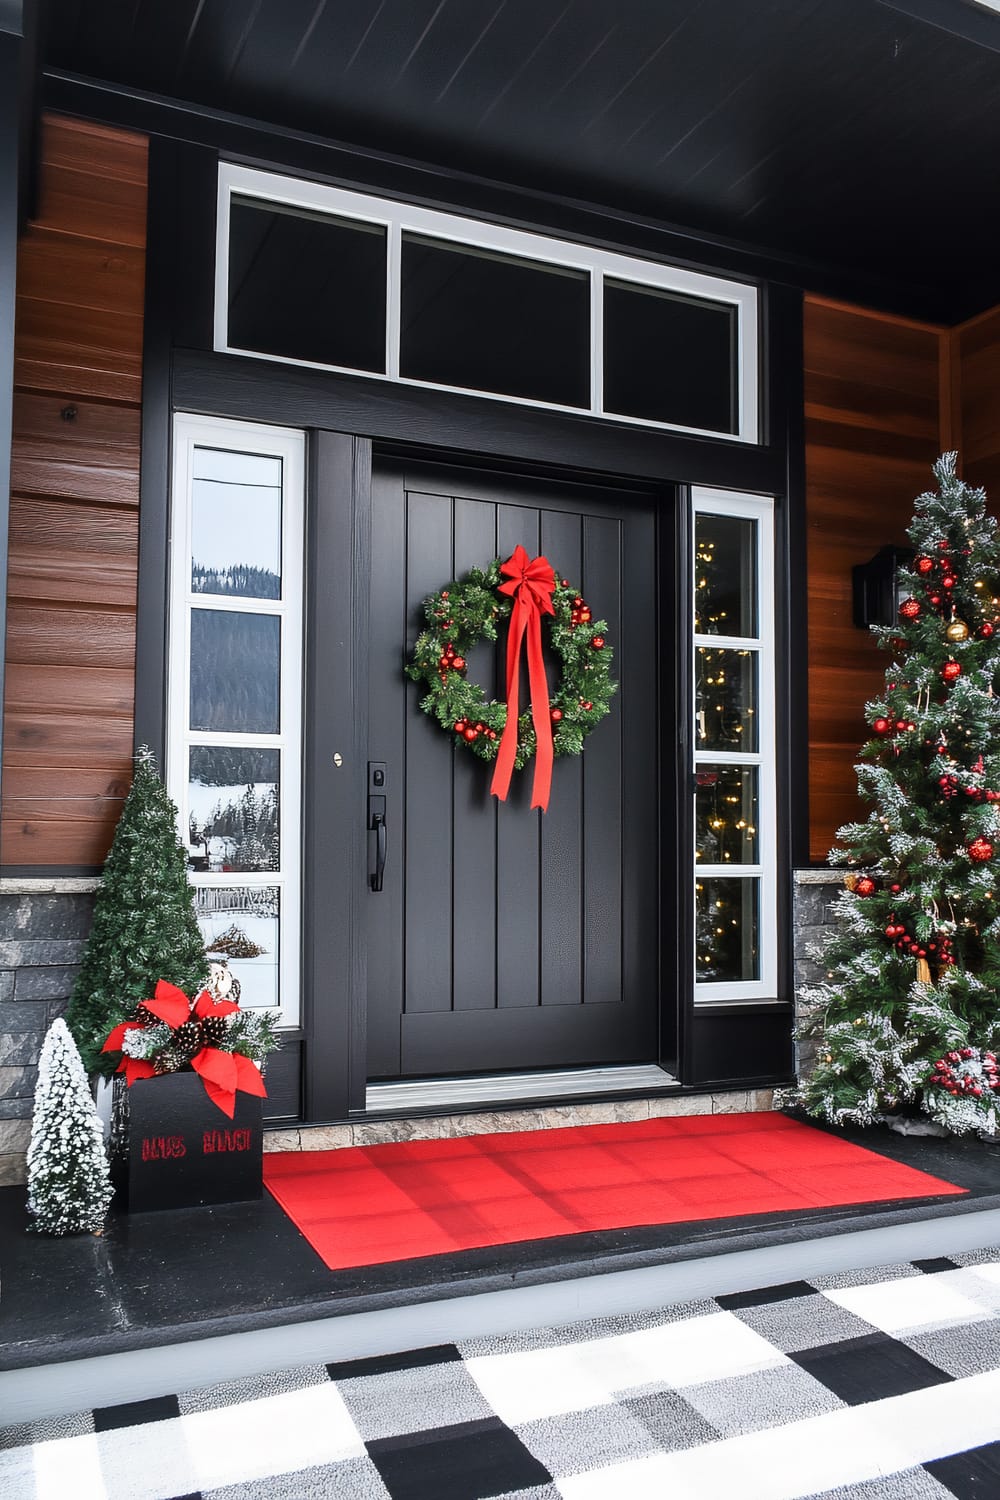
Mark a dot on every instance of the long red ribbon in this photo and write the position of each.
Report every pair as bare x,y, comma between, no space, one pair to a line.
531,582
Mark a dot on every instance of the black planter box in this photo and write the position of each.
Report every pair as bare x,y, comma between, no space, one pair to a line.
183,1152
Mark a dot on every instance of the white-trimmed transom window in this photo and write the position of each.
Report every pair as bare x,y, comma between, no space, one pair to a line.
314,275
734,775
235,693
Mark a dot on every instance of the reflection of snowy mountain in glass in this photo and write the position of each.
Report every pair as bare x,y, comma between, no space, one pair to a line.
233,808
235,672
236,579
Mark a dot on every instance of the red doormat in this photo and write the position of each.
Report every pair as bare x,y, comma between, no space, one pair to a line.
364,1205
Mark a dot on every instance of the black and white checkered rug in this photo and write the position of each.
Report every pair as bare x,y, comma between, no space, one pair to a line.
880,1385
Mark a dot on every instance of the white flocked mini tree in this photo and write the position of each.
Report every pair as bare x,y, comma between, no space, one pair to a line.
69,1184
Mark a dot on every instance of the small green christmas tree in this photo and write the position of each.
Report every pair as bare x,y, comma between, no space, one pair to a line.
908,1018
69,1184
144,923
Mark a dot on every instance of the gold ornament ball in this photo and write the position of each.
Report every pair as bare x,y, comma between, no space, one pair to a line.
851,881
957,631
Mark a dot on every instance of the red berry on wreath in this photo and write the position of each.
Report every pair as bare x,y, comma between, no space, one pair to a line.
444,593
556,715
951,671
598,643
925,564
577,602
586,704
469,734
458,663
980,850
459,725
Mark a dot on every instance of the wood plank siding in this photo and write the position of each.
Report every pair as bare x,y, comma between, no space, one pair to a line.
75,495
977,345
873,430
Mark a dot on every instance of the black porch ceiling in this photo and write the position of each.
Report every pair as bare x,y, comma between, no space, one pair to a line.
853,135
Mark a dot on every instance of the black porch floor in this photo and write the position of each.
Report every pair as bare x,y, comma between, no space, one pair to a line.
160,1279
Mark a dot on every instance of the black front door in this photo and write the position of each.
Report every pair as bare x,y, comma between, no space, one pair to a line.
503,938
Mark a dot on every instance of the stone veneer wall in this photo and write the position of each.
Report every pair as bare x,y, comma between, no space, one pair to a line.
813,895
43,927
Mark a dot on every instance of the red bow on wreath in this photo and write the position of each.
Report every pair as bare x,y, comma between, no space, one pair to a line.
221,1072
532,584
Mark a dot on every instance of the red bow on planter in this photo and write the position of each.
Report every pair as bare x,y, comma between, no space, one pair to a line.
531,583
221,1071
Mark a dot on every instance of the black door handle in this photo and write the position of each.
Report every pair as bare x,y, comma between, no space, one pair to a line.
381,848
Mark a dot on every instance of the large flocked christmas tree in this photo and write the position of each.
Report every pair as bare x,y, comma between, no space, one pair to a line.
908,1017
144,925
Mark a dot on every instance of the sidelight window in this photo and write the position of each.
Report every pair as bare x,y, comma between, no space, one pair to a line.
734,746
234,692
314,275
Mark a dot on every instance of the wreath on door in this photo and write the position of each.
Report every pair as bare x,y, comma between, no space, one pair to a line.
518,592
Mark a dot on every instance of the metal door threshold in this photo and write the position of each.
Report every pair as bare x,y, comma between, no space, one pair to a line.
510,1088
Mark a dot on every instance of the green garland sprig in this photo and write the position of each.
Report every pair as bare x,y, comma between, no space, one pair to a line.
470,610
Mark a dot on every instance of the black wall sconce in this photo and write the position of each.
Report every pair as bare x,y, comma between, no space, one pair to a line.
877,587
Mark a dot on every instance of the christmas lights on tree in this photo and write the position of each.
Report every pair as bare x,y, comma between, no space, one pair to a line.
725,823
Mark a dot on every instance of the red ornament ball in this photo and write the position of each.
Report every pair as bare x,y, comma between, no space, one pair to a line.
865,886
947,582
909,609
882,726
458,663
598,643
935,599
556,715
470,734
586,705
951,671
925,564
986,630
943,545
980,850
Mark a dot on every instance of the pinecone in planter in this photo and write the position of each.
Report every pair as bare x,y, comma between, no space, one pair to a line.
187,1038
213,1029
170,1060
140,1016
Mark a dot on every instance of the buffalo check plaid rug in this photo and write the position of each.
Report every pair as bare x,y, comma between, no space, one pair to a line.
880,1385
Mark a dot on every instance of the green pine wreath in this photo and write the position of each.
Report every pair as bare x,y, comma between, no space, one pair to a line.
470,610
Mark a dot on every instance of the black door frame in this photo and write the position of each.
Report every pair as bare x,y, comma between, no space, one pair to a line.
181,373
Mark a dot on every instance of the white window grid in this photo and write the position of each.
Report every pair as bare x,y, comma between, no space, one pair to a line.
191,432
759,509
397,218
